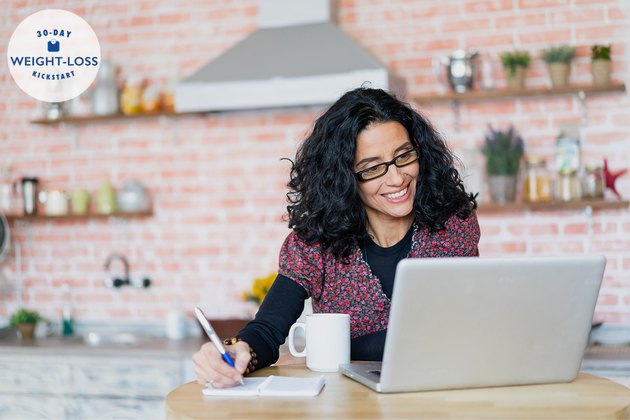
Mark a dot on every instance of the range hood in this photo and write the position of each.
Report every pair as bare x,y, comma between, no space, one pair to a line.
297,57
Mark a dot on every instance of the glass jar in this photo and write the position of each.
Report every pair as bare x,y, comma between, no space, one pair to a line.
569,186
537,182
593,181
151,99
131,97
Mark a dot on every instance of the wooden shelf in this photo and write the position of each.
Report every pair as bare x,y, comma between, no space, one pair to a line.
479,95
552,206
99,118
68,217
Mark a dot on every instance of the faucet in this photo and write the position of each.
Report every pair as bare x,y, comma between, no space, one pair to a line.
126,280
117,281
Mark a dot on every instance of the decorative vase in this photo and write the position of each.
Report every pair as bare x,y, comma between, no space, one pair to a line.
559,74
502,188
600,70
516,81
26,332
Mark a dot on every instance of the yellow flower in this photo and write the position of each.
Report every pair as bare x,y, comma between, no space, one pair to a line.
260,287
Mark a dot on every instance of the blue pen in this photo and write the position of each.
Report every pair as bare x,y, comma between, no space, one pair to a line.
214,338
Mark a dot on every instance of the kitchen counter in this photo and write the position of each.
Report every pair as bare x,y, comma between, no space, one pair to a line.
75,345
612,353
157,346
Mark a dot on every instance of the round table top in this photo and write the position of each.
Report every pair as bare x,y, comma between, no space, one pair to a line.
587,397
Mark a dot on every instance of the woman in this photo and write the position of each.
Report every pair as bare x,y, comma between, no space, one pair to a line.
372,184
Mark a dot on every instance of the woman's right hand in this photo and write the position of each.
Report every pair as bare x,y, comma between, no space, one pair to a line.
211,369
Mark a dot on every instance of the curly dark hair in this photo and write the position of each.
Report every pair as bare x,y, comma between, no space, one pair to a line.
325,206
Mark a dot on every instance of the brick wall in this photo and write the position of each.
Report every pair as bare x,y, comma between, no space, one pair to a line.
218,183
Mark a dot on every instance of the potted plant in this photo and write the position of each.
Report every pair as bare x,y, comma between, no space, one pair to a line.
25,320
515,63
558,59
503,150
601,64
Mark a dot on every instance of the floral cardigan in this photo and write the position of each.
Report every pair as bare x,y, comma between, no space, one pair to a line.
352,288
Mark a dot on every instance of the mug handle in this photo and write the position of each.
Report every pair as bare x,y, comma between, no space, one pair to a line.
292,349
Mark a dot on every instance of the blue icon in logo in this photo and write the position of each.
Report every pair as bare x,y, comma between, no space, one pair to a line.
53,45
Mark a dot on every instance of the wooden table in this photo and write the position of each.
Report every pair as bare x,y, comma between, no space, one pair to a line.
587,397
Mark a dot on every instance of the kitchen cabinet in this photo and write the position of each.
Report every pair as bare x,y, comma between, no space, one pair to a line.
124,383
611,362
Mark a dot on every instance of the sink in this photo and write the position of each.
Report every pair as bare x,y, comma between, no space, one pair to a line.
113,338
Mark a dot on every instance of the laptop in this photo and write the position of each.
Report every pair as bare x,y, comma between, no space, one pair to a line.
483,322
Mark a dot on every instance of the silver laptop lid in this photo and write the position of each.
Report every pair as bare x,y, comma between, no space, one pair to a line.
475,322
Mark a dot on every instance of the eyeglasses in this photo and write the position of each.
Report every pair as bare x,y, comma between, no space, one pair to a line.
381,169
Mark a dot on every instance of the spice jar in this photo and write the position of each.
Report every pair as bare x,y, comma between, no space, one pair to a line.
168,97
131,97
537,182
593,181
151,99
569,186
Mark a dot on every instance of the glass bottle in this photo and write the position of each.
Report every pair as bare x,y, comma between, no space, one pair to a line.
569,186
105,94
537,182
67,315
593,181
568,149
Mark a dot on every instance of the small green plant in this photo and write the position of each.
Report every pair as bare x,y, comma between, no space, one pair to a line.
513,60
25,316
503,151
558,54
600,52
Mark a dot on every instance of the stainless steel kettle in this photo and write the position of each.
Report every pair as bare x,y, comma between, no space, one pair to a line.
461,68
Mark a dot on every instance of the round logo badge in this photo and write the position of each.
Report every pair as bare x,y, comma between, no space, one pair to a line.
54,55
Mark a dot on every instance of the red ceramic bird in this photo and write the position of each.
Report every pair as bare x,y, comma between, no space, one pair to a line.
611,178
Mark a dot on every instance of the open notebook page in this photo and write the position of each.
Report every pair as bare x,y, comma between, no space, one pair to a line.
279,386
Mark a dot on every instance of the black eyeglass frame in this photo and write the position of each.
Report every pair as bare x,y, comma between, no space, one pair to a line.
359,174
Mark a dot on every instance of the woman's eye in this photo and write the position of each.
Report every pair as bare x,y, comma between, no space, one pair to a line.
406,157
372,170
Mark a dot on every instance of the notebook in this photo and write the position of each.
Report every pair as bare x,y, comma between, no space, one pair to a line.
481,322
272,386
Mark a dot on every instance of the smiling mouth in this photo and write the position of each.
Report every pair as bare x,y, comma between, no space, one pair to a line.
396,194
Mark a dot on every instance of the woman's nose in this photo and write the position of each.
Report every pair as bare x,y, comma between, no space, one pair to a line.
394,175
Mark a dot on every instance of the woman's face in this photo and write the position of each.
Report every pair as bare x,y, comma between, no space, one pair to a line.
391,195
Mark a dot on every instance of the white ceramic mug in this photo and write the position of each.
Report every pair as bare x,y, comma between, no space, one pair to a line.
55,202
327,341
